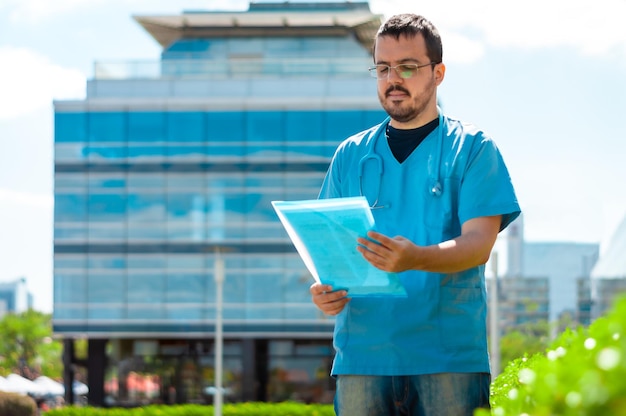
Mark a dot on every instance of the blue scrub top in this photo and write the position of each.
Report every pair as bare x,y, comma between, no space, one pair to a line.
441,325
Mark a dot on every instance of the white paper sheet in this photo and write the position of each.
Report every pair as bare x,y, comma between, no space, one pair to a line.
324,232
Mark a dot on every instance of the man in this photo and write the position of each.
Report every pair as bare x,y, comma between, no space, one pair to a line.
440,193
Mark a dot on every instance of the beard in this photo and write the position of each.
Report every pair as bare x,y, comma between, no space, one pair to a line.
409,108
399,112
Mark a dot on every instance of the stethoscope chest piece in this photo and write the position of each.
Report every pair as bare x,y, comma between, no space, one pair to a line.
436,189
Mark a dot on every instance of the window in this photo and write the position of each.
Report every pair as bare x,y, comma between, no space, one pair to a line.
70,127
107,127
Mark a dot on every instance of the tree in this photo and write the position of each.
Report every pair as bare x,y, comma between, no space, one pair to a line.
525,339
27,347
532,337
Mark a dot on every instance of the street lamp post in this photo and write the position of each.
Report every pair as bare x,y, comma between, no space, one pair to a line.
493,315
219,336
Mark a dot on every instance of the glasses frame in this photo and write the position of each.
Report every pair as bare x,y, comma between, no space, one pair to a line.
373,70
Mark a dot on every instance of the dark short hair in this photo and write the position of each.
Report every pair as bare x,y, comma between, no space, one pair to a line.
410,25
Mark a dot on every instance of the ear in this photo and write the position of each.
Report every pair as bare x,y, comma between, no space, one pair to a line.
440,73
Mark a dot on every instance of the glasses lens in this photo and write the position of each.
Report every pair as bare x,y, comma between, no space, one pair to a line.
382,71
406,71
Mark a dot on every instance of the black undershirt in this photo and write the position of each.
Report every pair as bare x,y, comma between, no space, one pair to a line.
403,142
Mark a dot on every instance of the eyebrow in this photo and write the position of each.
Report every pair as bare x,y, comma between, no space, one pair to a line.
401,61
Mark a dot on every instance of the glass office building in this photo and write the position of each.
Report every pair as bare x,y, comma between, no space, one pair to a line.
15,297
167,164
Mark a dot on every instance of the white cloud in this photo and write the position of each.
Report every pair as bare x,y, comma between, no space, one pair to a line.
28,81
461,49
35,11
592,27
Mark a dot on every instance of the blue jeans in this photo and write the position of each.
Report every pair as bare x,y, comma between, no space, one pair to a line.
446,394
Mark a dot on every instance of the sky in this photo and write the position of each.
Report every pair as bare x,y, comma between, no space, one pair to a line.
545,79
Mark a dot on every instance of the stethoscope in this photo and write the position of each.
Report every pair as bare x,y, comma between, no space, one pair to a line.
435,186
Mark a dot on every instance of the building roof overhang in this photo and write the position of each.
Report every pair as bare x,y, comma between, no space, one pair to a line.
168,29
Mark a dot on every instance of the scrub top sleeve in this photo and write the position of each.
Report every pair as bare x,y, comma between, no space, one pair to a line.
486,188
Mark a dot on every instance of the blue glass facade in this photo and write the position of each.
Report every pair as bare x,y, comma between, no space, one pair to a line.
143,199
154,174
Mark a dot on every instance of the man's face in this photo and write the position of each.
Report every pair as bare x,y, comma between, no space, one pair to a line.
410,102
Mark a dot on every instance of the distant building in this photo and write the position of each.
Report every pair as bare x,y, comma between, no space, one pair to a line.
608,277
523,300
603,294
15,297
562,263
513,249
582,282
540,280
583,301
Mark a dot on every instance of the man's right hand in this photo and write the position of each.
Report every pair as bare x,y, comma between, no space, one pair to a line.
327,301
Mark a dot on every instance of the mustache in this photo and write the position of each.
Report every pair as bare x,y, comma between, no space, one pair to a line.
396,88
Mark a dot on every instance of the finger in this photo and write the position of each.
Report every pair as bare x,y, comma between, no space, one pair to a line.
368,245
334,296
382,239
378,237
331,302
322,300
335,307
374,259
376,242
319,288
373,254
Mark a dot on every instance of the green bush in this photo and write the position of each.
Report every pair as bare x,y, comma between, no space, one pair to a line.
582,373
14,404
230,409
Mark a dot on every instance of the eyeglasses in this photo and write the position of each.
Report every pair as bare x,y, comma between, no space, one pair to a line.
404,71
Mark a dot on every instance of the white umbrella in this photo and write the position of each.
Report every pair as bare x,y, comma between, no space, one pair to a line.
79,388
3,383
18,384
50,386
